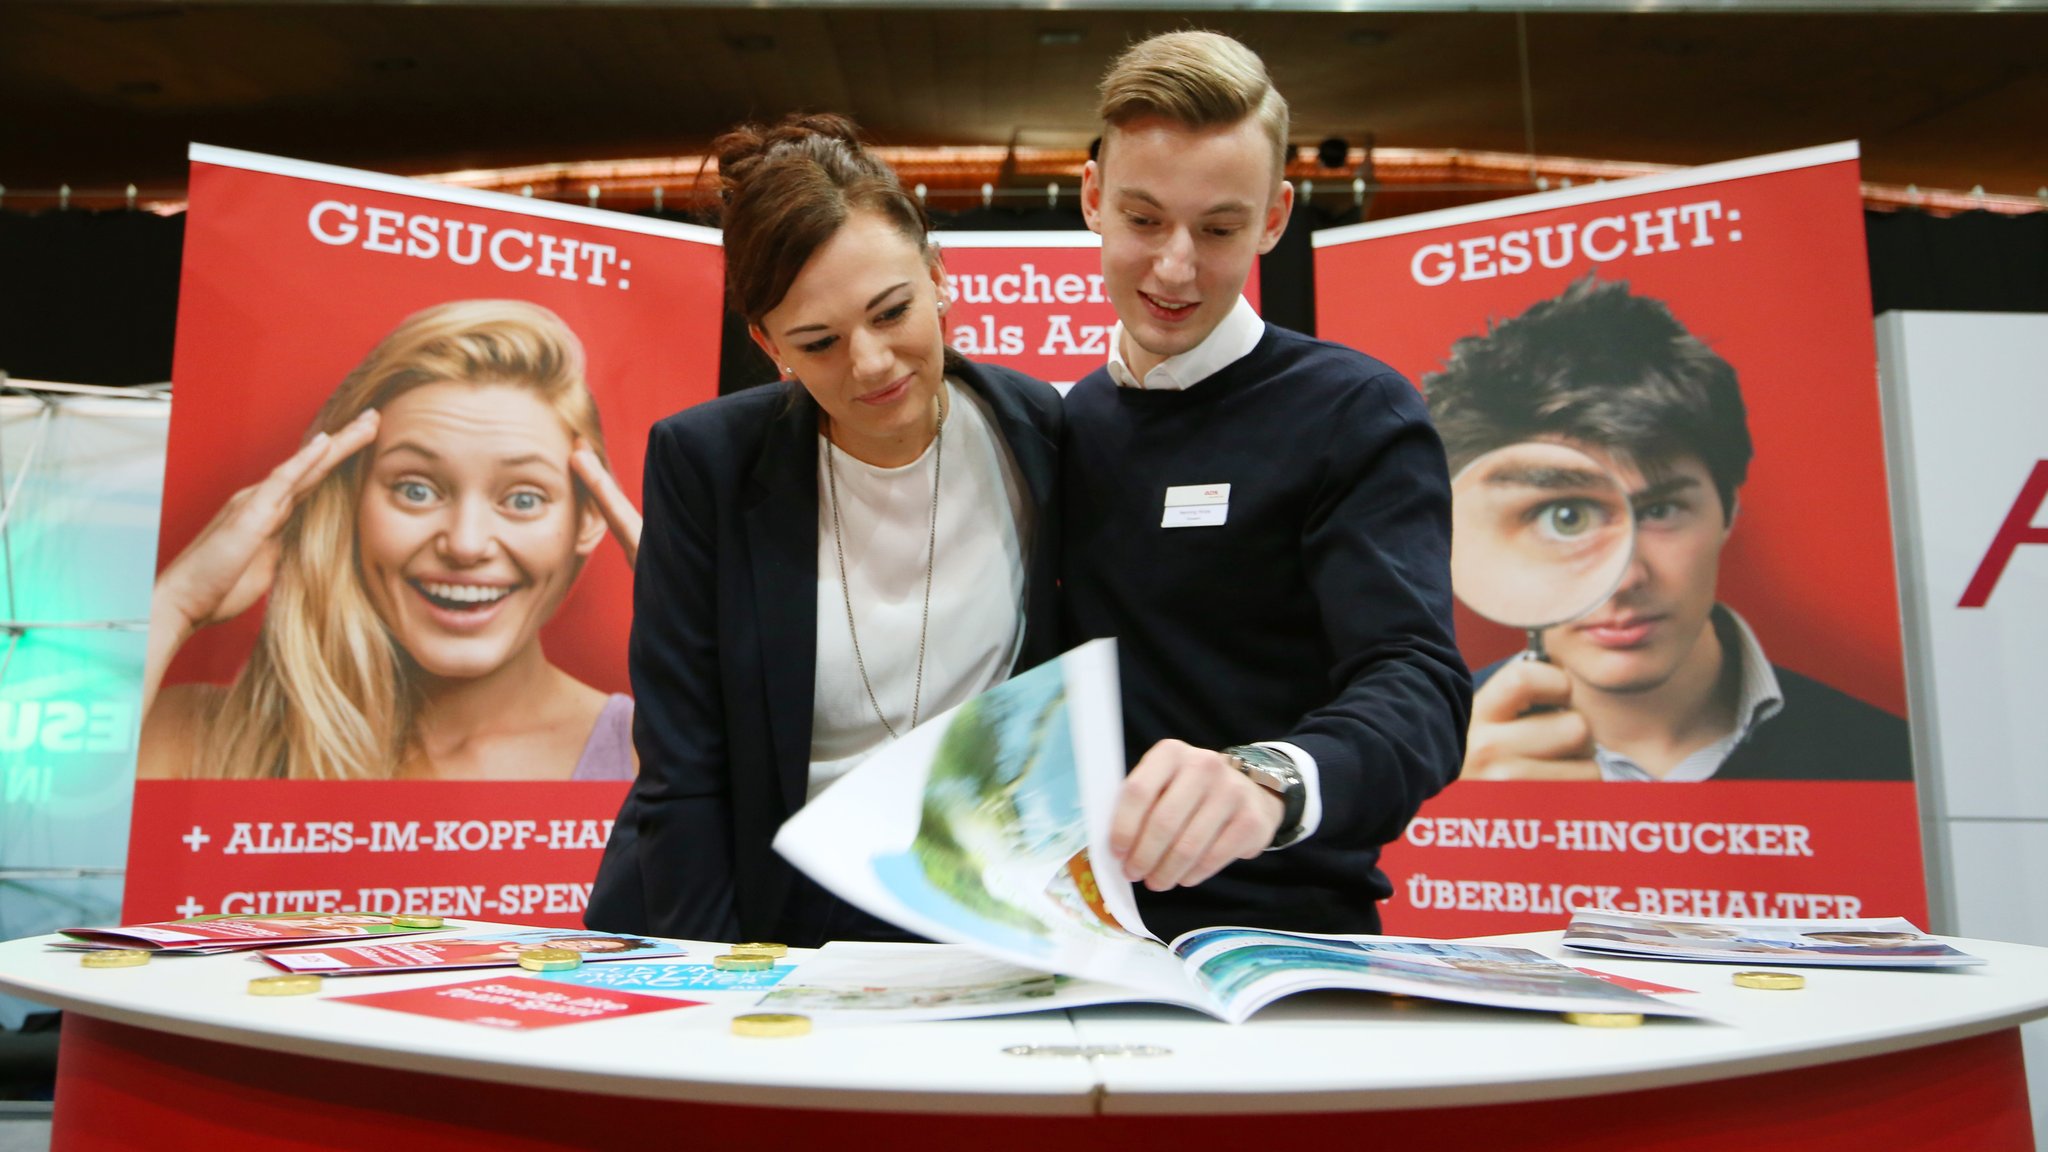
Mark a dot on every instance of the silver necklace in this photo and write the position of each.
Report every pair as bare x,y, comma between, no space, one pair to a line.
931,562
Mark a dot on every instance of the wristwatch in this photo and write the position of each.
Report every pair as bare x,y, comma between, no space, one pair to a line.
1274,771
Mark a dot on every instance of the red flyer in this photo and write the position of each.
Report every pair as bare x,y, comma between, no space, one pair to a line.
1637,985
517,1003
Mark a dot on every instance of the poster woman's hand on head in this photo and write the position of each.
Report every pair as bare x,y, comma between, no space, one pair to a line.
612,502
230,565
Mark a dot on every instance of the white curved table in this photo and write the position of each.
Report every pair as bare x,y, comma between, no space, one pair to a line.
176,1053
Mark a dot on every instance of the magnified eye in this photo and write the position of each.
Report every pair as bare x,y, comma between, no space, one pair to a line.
1567,520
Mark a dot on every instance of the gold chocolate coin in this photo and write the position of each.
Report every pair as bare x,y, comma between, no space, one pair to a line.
114,958
296,984
736,962
770,1024
550,959
417,921
1605,1019
1775,981
775,950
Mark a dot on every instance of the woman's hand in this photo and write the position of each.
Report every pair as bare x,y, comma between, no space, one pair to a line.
233,560
612,502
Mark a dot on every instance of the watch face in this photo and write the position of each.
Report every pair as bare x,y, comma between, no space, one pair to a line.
1268,777
1258,764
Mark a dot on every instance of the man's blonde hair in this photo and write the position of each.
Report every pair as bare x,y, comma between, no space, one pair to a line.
1198,80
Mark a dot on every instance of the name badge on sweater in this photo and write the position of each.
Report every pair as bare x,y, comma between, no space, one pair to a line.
1196,506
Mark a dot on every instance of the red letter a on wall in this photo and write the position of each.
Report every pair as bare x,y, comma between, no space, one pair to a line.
2018,529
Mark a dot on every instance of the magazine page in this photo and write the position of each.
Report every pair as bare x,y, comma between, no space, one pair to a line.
893,983
980,827
234,933
1864,943
1245,969
483,951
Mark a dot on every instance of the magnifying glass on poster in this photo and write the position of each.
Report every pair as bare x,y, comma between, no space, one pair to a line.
1541,535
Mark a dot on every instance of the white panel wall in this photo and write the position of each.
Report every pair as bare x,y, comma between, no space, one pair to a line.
85,479
2001,882
1966,420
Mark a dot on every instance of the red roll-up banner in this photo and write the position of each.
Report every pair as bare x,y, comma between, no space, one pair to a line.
1706,335
392,661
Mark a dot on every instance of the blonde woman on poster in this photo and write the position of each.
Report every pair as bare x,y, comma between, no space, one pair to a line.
452,489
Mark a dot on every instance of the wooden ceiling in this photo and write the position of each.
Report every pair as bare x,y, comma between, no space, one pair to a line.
100,95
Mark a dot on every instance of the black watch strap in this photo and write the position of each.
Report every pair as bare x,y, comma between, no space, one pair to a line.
1294,801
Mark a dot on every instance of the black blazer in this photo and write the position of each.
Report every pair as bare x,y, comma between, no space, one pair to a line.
724,649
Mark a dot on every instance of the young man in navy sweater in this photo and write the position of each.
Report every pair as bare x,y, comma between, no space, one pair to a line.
1261,519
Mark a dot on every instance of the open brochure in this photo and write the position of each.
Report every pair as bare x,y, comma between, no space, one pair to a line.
1892,943
207,934
981,827
497,949
1229,973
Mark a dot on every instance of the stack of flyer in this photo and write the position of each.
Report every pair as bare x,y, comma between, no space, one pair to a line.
494,950
203,935
981,827
1889,943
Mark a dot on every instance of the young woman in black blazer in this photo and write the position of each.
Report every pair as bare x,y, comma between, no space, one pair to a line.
826,560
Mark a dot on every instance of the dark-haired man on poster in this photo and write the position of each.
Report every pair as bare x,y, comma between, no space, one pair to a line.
1261,519
1662,682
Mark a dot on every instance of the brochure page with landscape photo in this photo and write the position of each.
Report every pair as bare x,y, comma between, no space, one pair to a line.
983,825
1240,970
1229,973
859,980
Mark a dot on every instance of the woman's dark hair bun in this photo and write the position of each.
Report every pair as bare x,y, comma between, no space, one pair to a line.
787,188
742,151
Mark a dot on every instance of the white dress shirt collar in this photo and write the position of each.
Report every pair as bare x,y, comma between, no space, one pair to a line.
1233,339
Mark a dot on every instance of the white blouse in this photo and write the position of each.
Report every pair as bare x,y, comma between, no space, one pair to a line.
977,584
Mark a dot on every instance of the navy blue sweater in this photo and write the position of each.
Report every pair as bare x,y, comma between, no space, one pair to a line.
1319,613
